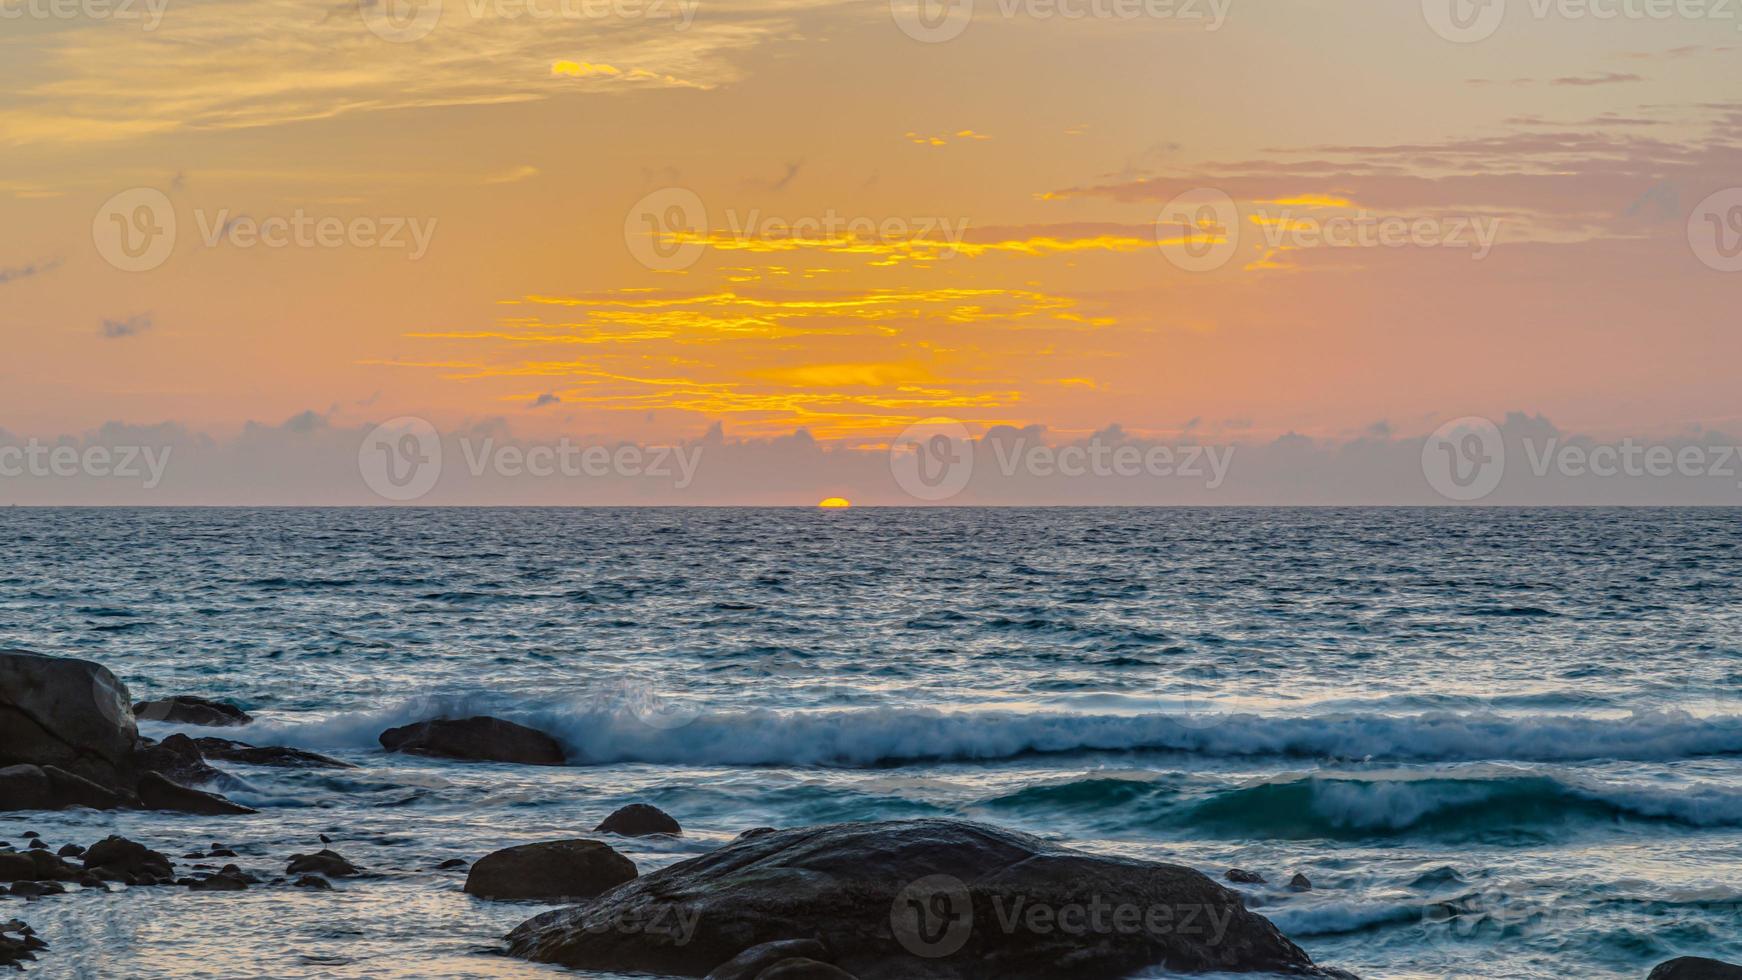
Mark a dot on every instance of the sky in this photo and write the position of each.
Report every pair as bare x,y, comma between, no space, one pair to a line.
1324,226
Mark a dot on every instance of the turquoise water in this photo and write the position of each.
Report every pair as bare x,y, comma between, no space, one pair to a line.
1501,743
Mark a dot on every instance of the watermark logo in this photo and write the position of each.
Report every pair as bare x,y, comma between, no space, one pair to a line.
1199,231
400,21
932,21
148,12
1464,459
668,229
1464,21
134,231
299,229
933,460
933,917
37,460
401,459
1715,230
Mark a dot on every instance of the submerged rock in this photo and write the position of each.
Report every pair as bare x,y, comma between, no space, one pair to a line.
917,900
187,709
70,714
315,882
158,792
1696,968
266,755
639,820
1240,877
476,740
324,862
554,871
1300,883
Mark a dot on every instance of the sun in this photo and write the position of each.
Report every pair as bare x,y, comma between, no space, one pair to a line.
835,503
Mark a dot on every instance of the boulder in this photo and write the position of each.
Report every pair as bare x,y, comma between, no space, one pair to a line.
639,820
1696,968
25,787
754,832
1240,877
186,709
554,871
265,755
70,714
179,758
34,866
749,964
917,900
158,792
800,968
315,882
1300,883
322,862
18,942
121,857
475,740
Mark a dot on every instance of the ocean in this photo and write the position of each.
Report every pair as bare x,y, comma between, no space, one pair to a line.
1500,743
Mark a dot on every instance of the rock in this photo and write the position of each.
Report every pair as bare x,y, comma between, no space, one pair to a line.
34,866
754,832
554,871
477,740
1239,877
28,787
156,792
639,820
120,856
1300,883
31,835
37,889
1696,968
917,900
749,964
451,864
186,709
266,755
230,879
69,851
313,881
325,862
799,968
18,942
38,845
66,713
178,758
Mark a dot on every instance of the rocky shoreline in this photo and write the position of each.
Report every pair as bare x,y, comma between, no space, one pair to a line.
927,899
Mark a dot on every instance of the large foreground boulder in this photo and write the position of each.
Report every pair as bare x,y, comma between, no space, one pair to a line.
187,709
476,740
1696,968
71,714
553,871
917,900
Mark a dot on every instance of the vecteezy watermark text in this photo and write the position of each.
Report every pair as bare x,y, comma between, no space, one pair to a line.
935,21
1470,21
402,459
935,917
39,460
149,13
1466,459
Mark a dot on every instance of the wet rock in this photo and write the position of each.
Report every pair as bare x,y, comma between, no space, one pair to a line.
754,832
66,713
553,871
266,755
157,792
804,969
1696,968
749,964
28,787
187,709
38,845
315,882
1300,883
31,835
451,864
230,879
915,900
476,740
178,758
134,863
1239,877
37,889
639,820
34,866
69,851
324,862
18,943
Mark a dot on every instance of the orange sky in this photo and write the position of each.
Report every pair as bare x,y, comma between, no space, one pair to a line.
846,229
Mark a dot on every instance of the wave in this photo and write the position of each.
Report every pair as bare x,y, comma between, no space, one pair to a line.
628,726
1465,804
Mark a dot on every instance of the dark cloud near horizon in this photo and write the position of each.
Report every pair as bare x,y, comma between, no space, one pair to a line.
131,326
